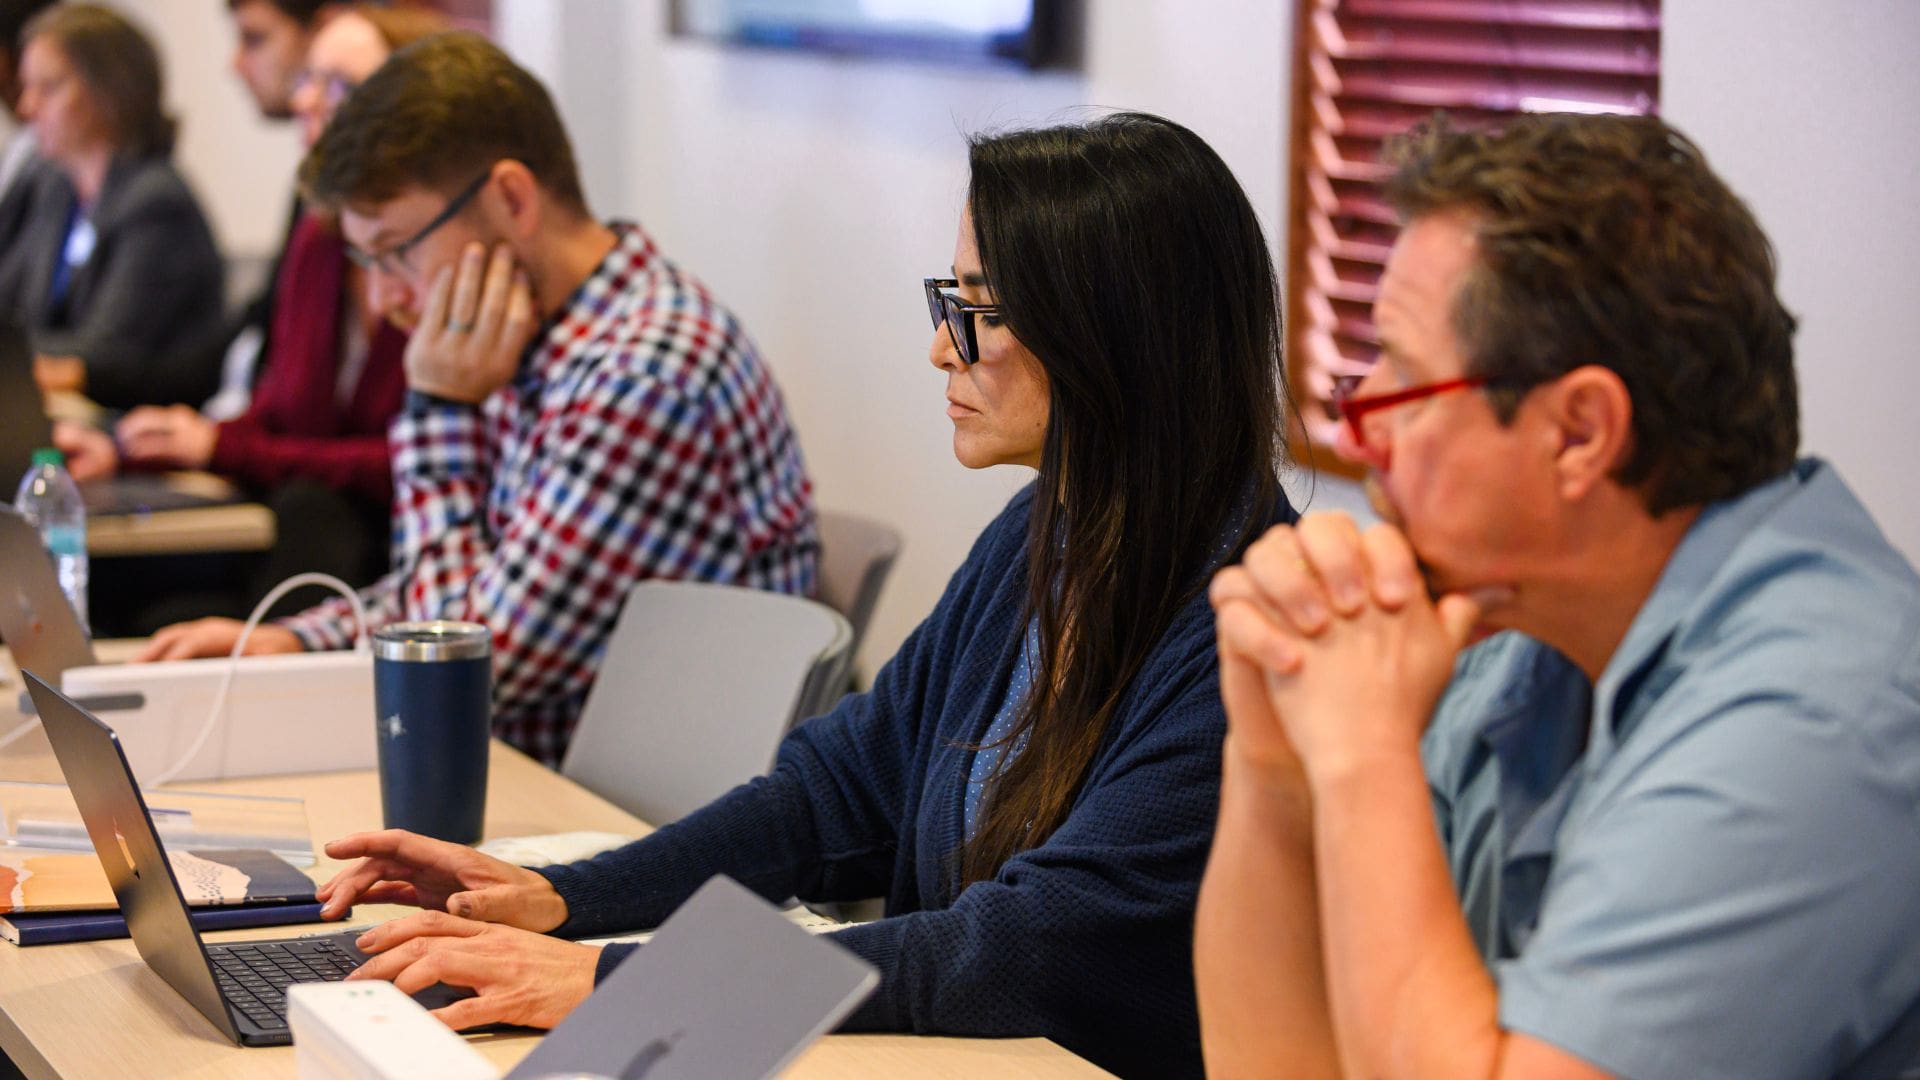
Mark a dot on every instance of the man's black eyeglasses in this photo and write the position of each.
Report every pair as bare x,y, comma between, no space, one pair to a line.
393,260
947,308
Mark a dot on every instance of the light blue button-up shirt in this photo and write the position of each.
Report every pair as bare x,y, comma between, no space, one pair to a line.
1707,864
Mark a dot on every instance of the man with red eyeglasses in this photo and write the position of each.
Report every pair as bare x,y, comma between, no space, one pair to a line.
1602,754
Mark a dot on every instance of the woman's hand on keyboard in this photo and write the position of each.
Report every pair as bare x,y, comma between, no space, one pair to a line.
398,867
516,977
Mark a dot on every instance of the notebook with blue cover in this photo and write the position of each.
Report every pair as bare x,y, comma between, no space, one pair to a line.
59,927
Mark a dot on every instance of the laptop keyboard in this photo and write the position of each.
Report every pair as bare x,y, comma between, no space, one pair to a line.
254,977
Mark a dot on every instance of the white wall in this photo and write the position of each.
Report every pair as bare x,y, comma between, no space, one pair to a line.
1808,111
813,194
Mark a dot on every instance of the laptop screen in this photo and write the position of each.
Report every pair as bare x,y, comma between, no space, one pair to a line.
23,419
36,622
130,851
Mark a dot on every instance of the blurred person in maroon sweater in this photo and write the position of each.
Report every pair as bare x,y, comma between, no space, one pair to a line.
270,40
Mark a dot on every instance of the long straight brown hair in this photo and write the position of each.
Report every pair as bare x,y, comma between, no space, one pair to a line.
1124,255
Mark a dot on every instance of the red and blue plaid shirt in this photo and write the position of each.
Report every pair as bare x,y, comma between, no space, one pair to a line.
641,438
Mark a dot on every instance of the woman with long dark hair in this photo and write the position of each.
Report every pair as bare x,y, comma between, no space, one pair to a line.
1032,780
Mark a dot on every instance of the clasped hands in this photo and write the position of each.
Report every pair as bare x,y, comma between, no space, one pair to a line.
1332,654
483,928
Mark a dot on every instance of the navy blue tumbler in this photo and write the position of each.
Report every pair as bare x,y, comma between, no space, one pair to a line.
433,699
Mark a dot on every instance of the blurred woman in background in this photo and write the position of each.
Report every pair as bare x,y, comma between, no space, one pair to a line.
112,270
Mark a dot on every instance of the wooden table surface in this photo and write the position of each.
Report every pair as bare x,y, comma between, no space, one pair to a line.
95,1009
232,527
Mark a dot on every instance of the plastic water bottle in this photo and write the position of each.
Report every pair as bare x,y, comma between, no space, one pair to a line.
50,501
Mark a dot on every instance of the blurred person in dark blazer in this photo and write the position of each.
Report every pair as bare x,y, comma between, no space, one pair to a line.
113,270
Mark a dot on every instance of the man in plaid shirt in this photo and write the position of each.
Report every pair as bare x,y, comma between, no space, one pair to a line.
581,413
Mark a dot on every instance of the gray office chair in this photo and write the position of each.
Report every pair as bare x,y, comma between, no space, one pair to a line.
697,686
856,554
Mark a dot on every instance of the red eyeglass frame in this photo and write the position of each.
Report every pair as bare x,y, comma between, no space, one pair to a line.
1344,406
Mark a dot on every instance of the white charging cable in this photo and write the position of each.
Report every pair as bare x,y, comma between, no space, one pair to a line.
239,647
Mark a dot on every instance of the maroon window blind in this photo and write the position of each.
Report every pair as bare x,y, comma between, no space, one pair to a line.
1367,69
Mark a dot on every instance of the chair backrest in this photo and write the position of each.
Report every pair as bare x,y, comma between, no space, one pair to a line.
697,686
856,554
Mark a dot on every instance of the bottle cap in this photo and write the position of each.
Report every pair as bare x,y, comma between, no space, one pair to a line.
47,455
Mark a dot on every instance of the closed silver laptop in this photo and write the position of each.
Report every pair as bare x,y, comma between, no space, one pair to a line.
726,987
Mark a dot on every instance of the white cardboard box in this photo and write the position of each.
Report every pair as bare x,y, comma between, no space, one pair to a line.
369,1030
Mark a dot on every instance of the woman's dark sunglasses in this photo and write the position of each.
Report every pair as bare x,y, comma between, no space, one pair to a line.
957,315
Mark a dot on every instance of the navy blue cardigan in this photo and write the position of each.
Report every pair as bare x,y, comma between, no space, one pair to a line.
1086,939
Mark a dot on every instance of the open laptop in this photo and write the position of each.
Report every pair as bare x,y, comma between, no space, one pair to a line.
37,624
24,428
241,988
23,420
